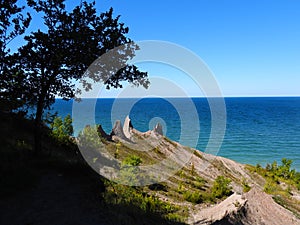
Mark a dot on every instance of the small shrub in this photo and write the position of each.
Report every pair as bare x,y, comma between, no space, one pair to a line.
158,187
246,186
175,217
193,169
180,187
89,138
194,197
131,197
130,172
275,174
132,160
196,153
197,184
118,146
221,187
237,204
207,197
270,187
297,180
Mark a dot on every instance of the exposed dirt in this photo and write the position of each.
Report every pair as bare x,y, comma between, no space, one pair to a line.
254,207
262,209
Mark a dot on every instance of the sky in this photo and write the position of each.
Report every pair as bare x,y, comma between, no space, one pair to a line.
252,46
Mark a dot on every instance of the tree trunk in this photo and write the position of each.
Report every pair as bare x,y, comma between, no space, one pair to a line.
37,127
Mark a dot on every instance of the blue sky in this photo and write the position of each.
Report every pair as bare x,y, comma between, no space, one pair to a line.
252,47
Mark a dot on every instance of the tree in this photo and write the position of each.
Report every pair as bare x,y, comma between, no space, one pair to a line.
13,23
54,58
62,129
285,169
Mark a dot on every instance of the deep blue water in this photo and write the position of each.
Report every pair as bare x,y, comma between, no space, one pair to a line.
258,130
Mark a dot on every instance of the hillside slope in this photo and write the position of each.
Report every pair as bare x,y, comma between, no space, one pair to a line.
192,186
58,187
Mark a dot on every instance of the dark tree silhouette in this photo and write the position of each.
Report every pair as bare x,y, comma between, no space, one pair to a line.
52,59
12,24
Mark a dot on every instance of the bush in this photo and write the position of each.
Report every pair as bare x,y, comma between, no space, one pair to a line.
284,170
132,160
270,187
90,142
130,172
221,187
194,197
62,129
89,136
136,197
297,180
246,186
280,173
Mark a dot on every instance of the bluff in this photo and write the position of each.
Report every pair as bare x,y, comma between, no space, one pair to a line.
192,186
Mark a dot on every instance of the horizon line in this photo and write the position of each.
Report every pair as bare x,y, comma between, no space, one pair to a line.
233,96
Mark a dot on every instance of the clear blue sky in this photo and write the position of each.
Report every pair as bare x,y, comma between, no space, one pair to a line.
252,46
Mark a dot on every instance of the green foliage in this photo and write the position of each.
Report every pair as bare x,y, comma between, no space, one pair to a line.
297,180
51,59
180,187
194,197
258,166
193,169
157,150
13,23
197,184
281,171
62,129
89,140
281,180
246,186
196,153
284,170
136,197
276,173
175,217
270,187
130,172
116,154
221,187
132,160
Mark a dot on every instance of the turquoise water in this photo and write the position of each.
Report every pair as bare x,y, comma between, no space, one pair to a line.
258,130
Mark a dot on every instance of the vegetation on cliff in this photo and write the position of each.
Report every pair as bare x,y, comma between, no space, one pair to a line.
170,202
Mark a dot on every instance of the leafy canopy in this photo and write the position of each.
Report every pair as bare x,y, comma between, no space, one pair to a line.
54,58
12,24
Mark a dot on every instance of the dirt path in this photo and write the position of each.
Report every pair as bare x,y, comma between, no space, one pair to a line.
56,199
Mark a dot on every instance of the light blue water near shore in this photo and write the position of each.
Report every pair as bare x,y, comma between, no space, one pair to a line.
259,130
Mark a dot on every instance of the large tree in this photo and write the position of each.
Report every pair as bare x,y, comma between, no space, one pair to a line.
53,58
13,23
